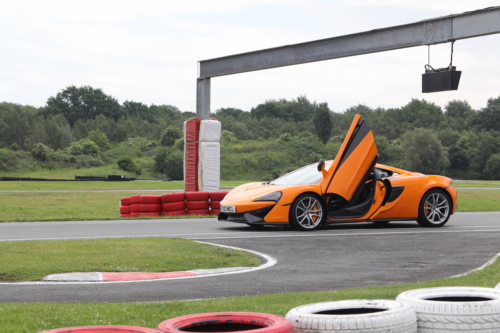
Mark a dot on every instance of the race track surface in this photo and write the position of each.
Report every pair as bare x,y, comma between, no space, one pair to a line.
335,257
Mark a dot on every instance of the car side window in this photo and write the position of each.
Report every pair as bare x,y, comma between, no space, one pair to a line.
384,173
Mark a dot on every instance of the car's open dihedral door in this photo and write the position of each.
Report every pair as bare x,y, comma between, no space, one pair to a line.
354,161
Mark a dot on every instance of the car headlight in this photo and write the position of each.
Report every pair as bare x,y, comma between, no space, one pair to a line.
275,196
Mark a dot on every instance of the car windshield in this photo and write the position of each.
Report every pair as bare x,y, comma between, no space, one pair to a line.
303,176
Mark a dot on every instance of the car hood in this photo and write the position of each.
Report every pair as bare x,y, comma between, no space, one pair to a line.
253,191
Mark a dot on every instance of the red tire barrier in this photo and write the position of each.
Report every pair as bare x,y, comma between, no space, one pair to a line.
197,196
194,205
175,213
135,199
124,215
135,208
218,195
135,214
125,210
148,208
150,199
250,322
215,204
215,212
125,201
191,166
173,197
192,130
174,206
104,329
151,214
198,212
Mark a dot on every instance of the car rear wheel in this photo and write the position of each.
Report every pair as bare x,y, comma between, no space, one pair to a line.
434,209
307,212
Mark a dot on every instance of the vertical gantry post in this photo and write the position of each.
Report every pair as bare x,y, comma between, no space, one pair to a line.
203,98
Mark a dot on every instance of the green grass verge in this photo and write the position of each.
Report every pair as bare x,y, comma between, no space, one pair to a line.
475,183
86,206
35,317
32,260
478,200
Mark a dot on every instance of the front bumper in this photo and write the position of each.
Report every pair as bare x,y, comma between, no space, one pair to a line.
250,217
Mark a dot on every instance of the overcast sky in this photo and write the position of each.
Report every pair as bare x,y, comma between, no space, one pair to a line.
147,51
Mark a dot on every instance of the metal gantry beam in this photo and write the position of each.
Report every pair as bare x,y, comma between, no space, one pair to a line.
433,31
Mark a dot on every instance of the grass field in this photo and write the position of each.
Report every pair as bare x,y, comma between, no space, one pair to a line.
35,317
32,260
85,206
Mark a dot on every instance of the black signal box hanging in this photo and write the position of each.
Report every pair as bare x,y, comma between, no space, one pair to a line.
440,81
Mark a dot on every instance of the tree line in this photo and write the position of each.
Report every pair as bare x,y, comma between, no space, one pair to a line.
79,123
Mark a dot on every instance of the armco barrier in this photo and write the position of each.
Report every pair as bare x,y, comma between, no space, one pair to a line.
172,204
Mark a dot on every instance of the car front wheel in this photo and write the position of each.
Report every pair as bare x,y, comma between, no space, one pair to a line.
307,212
434,209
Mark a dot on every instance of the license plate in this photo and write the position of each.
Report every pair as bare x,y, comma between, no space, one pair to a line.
227,209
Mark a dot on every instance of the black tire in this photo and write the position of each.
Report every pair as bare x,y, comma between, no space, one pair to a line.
307,212
434,209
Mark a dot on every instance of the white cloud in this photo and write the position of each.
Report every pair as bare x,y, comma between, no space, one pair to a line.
148,51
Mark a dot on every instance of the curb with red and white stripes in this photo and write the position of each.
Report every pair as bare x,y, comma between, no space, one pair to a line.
109,277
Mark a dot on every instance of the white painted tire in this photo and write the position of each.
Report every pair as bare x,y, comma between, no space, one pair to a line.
367,316
498,286
455,309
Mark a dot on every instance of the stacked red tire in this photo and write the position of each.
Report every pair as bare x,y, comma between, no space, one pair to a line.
135,206
173,204
103,329
191,138
197,203
249,322
151,205
125,208
215,198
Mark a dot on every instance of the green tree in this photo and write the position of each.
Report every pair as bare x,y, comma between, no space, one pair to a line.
170,164
423,152
492,168
458,158
488,119
169,136
100,139
16,124
83,103
322,121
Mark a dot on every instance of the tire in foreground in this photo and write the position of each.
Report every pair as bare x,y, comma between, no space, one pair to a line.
250,322
367,316
455,309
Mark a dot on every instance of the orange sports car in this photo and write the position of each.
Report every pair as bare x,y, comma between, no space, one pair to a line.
351,188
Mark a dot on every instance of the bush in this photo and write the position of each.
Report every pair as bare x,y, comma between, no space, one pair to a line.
84,147
126,163
40,152
100,139
14,147
170,164
169,136
286,137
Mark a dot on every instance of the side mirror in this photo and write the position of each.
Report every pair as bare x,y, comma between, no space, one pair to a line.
321,168
321,163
